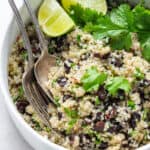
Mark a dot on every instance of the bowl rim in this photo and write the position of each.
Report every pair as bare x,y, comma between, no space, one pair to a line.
9,102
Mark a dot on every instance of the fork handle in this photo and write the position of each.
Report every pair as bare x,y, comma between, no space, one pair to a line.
22,28
43,42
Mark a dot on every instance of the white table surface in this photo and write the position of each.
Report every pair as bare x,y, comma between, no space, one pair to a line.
10,139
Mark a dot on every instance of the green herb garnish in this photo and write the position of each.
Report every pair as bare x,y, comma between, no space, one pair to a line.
71,113
145,113
118,25
92,79
19,95
97,101
24,55
118,83
131,104
56,101
97,135
138,74
78,38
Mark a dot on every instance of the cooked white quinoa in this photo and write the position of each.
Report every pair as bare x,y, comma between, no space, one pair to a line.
86,124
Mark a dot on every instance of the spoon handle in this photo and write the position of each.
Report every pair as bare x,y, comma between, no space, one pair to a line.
22,28
43,42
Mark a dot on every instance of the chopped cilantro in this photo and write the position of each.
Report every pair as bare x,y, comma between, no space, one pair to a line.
138,74
78,38
131,104
118,83
24,55
118,25
47,129
53,82
97,101
92,79
82,16
145,113
132,133
19,95
56,101
71,113
71,123
58,61
97,135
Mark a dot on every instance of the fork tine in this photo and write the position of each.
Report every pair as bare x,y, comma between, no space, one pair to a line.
38,100
43,42
21,25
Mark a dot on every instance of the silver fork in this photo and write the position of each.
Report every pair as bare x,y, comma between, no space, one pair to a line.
33,92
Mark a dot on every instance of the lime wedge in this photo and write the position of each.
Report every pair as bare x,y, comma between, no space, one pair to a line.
53,20
98,5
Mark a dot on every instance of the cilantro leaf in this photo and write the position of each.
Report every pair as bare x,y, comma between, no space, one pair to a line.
123,16
92,79
82,16
131,104
118,83
138,74
71,113
124,40
142,19
97,101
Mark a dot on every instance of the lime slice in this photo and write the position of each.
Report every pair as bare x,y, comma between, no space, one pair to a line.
98,5
53,20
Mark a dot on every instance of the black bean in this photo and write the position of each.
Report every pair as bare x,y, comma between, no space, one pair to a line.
121,94
105,56
97,55
21,105
107,104
59,115
103,145
134,118
66,96
99,126
116,61
85,56
117,127
102,93
62,81
67,65
98,116
132,123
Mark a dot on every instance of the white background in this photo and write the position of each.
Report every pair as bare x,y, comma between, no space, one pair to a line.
10,139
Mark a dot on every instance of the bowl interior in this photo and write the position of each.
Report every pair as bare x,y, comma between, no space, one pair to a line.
35,140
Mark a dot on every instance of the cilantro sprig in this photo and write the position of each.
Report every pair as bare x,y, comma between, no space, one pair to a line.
131,104
118,25
118,83
92,79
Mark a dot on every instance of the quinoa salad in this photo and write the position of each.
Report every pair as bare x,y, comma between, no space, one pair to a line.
102,96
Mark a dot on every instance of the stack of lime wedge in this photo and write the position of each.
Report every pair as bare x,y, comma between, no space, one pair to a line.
55,21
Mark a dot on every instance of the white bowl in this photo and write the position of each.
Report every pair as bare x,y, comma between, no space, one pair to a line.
32,137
